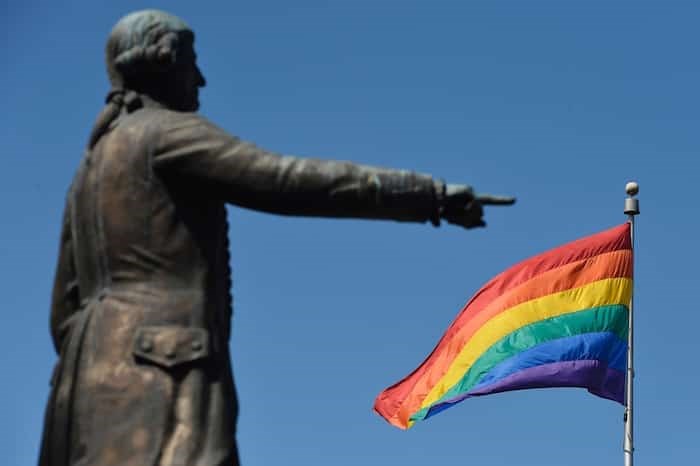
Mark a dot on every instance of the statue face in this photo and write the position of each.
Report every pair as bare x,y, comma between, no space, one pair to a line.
185,79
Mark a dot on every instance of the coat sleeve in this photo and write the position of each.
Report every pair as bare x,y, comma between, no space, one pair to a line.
238,172
65,298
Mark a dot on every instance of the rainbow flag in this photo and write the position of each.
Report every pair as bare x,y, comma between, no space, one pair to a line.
559,319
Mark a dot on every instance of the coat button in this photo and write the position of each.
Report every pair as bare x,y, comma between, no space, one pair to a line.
146,345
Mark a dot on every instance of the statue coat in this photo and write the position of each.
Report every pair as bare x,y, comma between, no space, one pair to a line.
141,306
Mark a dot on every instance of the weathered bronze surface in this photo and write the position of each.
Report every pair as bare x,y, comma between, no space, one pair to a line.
141,305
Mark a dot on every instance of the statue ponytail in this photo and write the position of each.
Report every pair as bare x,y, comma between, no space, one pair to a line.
117,102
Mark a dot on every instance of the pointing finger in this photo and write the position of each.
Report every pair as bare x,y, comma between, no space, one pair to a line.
489,199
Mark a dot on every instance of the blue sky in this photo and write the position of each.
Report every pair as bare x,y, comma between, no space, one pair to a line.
557,102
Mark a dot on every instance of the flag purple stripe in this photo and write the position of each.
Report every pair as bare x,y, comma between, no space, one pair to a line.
594,346
593,375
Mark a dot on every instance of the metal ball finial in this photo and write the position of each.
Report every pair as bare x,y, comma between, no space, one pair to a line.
632,188
631,202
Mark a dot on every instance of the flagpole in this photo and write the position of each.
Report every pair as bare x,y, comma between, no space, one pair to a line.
631,209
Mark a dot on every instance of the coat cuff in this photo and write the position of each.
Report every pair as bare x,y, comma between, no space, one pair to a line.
439,194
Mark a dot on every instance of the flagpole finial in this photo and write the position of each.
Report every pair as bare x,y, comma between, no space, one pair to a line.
631,203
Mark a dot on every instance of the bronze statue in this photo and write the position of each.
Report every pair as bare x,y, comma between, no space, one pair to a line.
141,301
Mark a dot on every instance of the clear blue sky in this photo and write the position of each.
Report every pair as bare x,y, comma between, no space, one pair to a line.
558,102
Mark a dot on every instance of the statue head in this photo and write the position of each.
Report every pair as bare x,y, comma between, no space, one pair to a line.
152,52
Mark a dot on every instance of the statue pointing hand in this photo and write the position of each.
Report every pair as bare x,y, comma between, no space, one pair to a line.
141,306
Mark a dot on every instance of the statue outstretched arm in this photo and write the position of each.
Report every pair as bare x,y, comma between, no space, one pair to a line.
243,174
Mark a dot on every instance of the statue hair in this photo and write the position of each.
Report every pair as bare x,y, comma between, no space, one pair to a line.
142,44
